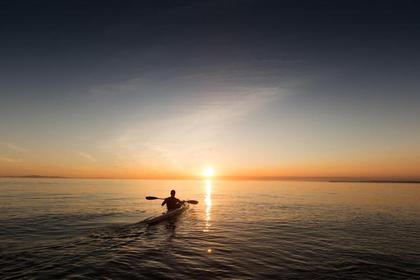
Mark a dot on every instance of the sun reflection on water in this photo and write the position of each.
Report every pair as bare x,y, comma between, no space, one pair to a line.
207,200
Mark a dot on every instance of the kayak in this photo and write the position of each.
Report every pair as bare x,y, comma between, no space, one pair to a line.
168,214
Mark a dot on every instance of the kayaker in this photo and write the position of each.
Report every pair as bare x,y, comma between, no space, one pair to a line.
172,202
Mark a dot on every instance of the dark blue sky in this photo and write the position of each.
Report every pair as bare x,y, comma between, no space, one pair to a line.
90,42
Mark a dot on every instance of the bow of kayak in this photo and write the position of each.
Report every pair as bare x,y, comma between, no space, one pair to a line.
168,214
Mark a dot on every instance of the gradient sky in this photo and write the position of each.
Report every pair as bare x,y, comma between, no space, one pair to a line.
253,88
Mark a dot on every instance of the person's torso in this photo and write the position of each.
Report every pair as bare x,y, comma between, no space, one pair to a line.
172,203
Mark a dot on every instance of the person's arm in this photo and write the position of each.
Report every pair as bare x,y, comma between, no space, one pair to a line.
164,202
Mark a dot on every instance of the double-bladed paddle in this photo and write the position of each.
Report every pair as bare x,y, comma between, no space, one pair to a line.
154,197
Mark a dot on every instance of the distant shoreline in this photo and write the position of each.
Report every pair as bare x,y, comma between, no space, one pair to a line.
314,179
39,177
376,181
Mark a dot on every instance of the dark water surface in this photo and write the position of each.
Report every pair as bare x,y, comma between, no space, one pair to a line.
89,229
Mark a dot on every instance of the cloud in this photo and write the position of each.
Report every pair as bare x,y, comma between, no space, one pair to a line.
124,88
87,156
232,102
8,159
185,136
13,147
183,81
176,117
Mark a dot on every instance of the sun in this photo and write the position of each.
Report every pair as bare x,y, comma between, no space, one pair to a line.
208,172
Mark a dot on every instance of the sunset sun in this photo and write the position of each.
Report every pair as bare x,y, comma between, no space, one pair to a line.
208,172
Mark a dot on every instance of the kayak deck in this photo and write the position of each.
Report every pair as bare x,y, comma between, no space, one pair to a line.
167,215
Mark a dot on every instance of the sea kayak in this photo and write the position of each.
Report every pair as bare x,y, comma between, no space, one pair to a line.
168,214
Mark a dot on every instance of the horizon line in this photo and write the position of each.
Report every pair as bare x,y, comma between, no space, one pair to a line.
332,179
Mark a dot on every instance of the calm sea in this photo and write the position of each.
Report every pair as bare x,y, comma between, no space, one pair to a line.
91,229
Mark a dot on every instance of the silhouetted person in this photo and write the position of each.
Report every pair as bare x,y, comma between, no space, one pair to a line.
172,202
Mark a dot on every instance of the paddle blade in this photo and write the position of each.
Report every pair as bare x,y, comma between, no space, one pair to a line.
192,201
151,197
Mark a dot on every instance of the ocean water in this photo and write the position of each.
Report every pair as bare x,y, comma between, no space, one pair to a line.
92,229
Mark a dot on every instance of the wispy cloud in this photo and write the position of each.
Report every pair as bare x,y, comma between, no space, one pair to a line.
87,156
9,159
183,138
124,88
176,117
13,147
193,79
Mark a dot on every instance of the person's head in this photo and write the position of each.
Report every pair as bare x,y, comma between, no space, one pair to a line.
173,193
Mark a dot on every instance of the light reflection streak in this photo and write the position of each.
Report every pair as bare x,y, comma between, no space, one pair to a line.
207,200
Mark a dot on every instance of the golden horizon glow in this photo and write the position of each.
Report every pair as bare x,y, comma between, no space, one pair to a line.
374,168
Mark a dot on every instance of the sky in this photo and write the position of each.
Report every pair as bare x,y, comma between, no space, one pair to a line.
162,89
